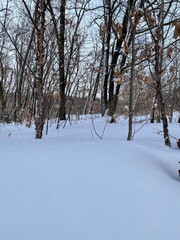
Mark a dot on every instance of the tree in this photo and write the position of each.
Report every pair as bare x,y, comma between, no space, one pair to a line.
121,42
60,37
105,33
40,29
3,65
158,36
131,84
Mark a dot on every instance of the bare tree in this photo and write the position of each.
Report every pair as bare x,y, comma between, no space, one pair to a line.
131,84
105,33
40,29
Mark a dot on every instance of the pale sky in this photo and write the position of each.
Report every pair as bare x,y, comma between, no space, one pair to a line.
97,1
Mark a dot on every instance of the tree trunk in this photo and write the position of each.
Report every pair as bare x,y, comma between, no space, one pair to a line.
2,97
2,102
159,46
106,43
94,93
62,109
113,97
152,115
130,133
39,117
60,43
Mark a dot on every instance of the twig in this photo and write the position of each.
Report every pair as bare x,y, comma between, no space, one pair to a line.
177,139
94,128
160,132
135,131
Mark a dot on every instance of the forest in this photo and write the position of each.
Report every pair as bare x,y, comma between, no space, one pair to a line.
89,119
60,59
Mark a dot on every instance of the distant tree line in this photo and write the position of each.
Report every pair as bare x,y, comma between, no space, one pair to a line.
64,58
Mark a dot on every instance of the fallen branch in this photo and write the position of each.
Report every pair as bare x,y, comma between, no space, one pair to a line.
160,132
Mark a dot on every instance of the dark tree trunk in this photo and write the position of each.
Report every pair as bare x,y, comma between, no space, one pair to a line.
106,47
152,116
60,43
2,102
62,110
39,117
2,96
159,44
113,97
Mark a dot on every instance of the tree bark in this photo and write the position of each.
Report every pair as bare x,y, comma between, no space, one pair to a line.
61,63
62,109
113,97
159,51
39,117
131,85
106,46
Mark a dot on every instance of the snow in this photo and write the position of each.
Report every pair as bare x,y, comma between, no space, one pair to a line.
71,185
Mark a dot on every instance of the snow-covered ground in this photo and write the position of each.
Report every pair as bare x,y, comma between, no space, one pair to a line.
71,185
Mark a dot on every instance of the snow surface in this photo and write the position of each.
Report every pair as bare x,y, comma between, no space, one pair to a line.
71,185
